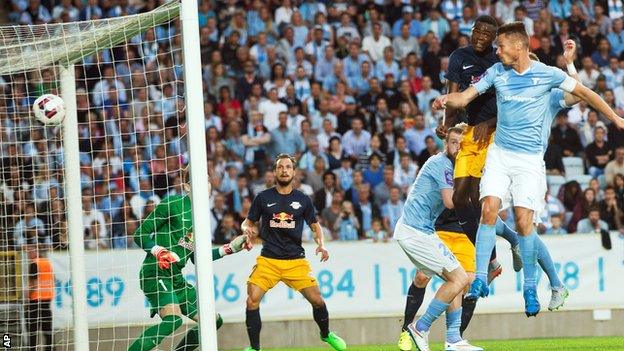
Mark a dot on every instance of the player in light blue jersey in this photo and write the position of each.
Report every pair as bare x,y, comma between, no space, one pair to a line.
514,162
415,233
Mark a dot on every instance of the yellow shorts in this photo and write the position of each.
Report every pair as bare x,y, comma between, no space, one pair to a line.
470,159
461,247
267,272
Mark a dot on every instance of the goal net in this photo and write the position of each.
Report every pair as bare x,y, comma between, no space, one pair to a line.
132,150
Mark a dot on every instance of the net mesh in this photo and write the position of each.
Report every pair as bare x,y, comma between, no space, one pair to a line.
132,150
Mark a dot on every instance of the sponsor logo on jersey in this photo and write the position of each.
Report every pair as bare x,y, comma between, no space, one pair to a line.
187,241
282,220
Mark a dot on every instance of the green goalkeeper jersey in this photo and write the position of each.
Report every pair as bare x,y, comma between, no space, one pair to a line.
170,225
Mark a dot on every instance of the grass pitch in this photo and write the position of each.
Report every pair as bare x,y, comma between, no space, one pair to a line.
564,344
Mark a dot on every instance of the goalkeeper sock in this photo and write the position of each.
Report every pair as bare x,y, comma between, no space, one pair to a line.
190,341
154,335
321,317
415,297
254,324
468,307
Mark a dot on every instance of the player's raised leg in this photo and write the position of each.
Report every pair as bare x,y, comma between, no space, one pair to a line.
321,317
559,292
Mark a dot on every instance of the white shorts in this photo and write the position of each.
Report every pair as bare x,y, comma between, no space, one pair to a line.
426,251
521,175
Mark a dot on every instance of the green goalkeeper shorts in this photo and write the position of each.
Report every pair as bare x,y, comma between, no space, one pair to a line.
162,290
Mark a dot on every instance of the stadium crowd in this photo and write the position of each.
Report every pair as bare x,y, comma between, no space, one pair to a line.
346,86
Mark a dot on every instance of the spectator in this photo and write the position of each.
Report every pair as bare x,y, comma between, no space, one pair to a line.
598,153
285,140
308,159
381,190
278,80
30,229
581,209
426,95
618,184
431,148
347,29
560,8
570,194
416,133
615,166
603,55
323,197
546,53
331,212
405,174
588,74
374,173
374,44
520,15
326,134
616,36
504,10
365,209
344,174
590,39
347,224
565,136
392,209
272,109
592,223
603,21
556,226
356,140
610,211
452,9
587,130
93,238
387,65
66,7
377,233
226,230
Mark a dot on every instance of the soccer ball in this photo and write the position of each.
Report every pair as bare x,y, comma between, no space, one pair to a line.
49,109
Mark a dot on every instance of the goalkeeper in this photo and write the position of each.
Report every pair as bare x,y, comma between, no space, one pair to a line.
167,236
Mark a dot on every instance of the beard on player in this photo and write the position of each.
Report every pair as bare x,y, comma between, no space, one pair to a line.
284,180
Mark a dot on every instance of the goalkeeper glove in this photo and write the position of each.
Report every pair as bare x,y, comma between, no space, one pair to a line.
233,246
164,257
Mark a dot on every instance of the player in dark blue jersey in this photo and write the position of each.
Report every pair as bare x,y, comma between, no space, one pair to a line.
283,211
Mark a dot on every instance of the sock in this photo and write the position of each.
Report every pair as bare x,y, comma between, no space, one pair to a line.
503,230
468,221
321,317
435,309
529,259
190,341
453,322
468,307
546,262
155,334
486,240
254,324
415,297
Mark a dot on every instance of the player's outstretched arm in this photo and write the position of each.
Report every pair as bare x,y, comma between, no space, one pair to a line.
455,100
320,241
236,245
569,54
450,114
594,100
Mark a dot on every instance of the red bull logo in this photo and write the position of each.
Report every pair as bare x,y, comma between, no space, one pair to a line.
282,220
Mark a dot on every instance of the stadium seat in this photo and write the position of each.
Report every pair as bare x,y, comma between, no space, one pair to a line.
582,179
573,166
554,183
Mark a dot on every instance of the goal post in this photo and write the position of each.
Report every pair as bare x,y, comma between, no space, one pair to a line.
133,91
